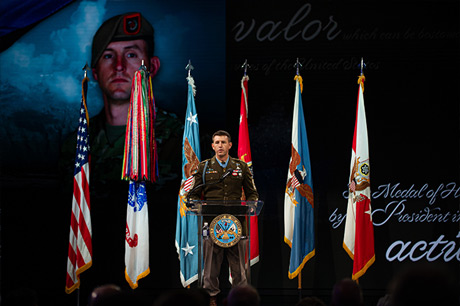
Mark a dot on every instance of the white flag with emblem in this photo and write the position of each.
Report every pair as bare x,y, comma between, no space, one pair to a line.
137,234
358,240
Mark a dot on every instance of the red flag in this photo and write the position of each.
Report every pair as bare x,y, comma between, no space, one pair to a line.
244,153
80,247
358,240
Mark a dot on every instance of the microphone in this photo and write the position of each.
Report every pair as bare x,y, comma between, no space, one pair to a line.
227,173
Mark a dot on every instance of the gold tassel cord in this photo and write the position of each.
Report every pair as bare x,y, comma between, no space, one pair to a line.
361,80
298,77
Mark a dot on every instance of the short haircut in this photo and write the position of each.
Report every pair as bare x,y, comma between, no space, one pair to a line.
222,133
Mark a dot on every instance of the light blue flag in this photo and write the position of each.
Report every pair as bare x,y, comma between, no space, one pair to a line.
299,228
186,225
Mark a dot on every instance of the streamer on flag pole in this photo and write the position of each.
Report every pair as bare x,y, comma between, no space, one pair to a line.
140,161
299,227
140,165
358,240
187,224
80,245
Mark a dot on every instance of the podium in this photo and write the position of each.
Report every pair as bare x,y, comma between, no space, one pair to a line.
226,211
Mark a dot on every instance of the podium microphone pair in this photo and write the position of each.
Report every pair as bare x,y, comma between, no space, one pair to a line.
227,173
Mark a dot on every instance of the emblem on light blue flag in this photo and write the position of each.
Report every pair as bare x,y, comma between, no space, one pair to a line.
187,224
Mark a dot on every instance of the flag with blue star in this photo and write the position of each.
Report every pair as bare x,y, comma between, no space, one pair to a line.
187,224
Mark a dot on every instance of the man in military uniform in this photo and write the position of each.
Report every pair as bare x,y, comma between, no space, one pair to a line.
230,188
119,46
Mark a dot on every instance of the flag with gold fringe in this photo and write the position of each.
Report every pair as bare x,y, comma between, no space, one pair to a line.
358,240
187,224
299,230
80,246
244,153
140,165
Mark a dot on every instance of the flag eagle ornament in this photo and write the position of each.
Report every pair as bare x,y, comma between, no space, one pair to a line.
140,165
80,245
244,153
186,224
358,240
299,231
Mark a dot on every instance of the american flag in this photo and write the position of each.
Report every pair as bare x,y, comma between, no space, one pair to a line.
188,183
294,182
296,179
80,247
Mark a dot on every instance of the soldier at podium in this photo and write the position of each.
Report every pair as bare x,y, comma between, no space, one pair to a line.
224,178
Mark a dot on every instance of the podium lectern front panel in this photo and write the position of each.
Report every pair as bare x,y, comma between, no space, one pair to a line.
209,210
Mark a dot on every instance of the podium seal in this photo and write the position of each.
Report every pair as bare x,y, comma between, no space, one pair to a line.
225,230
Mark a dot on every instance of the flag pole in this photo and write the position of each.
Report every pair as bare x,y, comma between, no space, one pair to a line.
242,152
189,67
299,279
245,66
361,81
85,69
297,66
361,77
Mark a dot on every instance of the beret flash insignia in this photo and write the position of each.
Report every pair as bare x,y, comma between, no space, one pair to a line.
132,24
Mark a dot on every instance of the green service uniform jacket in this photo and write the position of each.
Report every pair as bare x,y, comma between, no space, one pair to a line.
229,189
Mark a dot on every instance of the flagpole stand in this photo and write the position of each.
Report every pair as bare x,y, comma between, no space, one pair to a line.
200,250
299,287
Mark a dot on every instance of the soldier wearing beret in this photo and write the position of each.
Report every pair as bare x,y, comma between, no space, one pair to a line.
229,189
119,46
